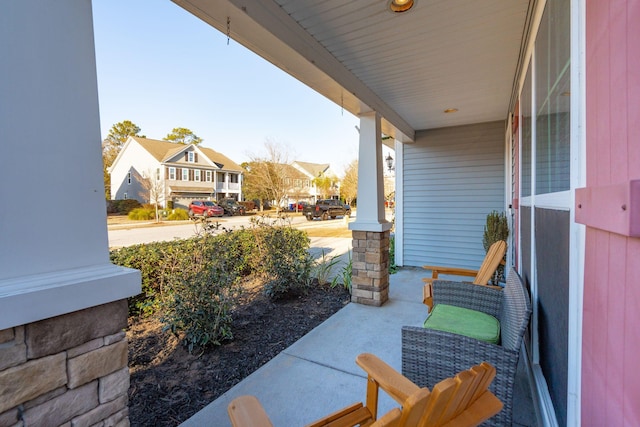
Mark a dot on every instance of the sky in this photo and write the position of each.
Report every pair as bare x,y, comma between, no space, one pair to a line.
161,67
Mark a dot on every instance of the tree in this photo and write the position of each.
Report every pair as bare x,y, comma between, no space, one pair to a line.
112,145
349,186
152,189
266,177
183,136
324,184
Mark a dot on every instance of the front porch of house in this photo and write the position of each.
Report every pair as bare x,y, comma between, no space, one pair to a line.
318,374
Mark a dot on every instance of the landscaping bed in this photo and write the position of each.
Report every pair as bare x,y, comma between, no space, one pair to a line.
169,385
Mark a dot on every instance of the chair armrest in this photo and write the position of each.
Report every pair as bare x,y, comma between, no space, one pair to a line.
435,270
391,381
246,411
467,295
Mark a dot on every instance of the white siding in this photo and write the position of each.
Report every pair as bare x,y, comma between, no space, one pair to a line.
452,178
138,161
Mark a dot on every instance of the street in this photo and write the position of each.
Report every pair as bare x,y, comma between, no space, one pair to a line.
128,234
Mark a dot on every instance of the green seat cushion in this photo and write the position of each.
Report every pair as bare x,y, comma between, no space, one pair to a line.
462,321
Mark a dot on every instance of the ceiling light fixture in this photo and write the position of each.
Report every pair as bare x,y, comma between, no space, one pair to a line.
399,6
451,110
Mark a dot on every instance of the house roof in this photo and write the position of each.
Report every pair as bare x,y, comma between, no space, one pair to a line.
408,67
312,169
293,172
163,150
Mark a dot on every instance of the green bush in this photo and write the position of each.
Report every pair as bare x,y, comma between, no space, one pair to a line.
142,214
178,215
285,260
496,228
122,207
201,291
148,259
194,283
393,268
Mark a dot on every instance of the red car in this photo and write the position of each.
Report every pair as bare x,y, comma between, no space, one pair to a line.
204,208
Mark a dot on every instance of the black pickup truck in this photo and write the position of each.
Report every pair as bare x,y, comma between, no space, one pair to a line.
325,209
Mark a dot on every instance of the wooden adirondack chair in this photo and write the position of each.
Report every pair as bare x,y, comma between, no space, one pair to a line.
455,402
492,260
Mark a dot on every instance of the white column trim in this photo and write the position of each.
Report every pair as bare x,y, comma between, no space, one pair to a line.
28,299
577,239
399,205
370,214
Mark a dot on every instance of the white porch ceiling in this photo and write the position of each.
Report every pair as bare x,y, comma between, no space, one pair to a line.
408,67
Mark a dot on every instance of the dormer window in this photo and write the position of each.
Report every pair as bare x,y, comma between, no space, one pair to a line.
191,157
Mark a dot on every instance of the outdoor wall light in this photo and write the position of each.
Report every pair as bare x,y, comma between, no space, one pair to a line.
399,6
389,161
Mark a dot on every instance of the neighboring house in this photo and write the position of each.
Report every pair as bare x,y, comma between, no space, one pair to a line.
314,171
149,170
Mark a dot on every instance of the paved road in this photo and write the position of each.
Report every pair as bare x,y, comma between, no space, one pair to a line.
127,235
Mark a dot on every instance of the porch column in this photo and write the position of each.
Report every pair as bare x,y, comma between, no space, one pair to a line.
63,352
370,269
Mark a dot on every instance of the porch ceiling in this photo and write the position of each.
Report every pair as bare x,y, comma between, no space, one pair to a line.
408,67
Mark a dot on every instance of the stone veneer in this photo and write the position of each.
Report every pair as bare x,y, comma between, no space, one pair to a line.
370,267
70,370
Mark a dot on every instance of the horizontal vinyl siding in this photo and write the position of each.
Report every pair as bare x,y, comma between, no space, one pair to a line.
452,178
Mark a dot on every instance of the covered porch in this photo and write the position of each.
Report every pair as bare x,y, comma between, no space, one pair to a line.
318,374
424,78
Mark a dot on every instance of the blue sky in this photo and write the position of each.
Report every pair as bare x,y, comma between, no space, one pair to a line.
161,67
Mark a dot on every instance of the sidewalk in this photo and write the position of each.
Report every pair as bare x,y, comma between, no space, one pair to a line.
318,375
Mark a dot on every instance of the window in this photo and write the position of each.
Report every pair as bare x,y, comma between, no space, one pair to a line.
158,174
191,157
172,173
185,174
552,83
208,176
234,178
196,175
129,178
126,196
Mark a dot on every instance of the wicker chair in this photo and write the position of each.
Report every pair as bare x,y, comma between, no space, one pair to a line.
429,355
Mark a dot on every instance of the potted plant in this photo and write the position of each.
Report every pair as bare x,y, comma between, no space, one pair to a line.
496,228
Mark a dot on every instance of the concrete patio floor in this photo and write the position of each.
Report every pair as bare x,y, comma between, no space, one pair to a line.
318,375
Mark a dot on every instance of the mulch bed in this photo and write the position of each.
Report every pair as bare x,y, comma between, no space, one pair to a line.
169,385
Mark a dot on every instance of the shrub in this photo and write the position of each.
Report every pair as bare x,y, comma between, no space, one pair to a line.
346,273
392,255
122,206
194,283
148,259
178,215
323,266
201,291
285,260
142,214
236,251
496,228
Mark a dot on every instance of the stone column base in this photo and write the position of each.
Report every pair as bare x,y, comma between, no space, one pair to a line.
370,268
70,369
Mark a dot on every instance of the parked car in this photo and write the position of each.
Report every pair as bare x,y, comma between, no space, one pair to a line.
347,209
204,208
232,207
325,209
249,205
300,206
